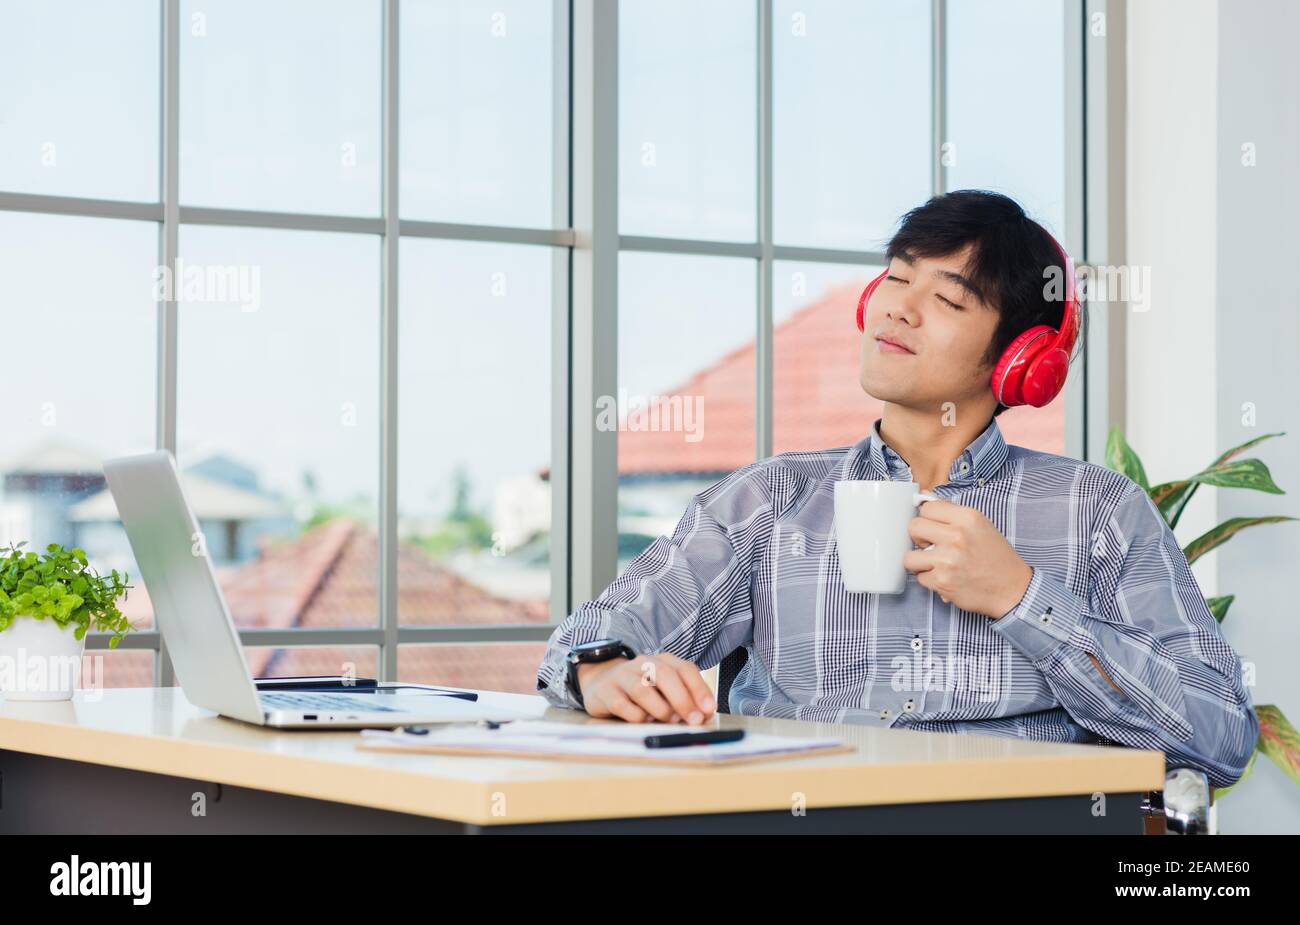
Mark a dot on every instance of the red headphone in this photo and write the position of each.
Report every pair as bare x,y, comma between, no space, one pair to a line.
1032,370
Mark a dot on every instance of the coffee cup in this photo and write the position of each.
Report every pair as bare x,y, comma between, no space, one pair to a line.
871,521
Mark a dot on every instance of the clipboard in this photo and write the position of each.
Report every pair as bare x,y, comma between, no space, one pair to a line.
605,743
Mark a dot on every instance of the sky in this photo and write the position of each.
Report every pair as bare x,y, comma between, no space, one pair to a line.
280,110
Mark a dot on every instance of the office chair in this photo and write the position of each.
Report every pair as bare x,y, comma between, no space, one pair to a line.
1182,808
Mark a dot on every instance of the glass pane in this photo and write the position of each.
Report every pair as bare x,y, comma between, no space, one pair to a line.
1010,50
79,376
278,419
105,668
818,401
510,667
475,424
851,119
687,119
685,411
280,105
477,102
79,98
307,661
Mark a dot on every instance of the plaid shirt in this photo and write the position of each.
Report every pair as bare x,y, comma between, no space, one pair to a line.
753,563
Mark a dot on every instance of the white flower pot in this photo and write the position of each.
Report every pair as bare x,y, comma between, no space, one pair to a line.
39,661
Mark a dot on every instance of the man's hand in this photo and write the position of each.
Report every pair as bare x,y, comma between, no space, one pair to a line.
971,565
646,688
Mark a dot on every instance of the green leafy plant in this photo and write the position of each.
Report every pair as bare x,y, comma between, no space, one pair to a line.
59,585
1277,737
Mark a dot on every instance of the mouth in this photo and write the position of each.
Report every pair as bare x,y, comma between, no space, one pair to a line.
884,345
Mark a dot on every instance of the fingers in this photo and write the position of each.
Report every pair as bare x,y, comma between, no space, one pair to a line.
673,684
658,687
617,703
924,531
944,511
918,561
699,689
931,580
642,688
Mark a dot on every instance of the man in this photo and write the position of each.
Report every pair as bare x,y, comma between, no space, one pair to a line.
1049,600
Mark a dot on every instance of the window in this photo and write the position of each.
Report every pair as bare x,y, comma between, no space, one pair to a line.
475,420
280,105
72,76
685,403
687,119
478,113
1018,146
363,359
851,99
278,419
817,400
79,323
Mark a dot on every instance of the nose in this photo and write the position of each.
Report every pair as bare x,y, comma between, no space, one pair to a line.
902,310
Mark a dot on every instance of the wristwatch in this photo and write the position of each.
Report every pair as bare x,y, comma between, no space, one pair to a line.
600,650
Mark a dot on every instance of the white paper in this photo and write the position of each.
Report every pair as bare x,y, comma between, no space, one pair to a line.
602,740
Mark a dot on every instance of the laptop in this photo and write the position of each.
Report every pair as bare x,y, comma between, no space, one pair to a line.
195,623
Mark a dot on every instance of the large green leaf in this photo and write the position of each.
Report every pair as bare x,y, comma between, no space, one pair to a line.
1244,473
1279,741
1121,458
1238,450
1224,532
1172,497
1219,605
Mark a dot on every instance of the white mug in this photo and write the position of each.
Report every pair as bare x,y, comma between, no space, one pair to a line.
871,520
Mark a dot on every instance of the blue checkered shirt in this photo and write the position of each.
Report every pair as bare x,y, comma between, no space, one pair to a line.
753,563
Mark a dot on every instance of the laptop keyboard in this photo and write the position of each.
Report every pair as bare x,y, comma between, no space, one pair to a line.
289,701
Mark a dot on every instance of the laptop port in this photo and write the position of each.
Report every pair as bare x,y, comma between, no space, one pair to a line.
310,717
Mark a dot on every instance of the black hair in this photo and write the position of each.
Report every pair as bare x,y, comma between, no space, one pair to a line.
1010,254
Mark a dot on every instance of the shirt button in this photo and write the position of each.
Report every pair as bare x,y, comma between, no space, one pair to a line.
965,467
884,714
1045,619
909,706
917,644
981,481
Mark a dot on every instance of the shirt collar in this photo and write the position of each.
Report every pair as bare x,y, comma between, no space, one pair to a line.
982,459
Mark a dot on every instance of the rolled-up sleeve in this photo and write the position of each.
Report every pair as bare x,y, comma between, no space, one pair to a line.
687,594
1147,624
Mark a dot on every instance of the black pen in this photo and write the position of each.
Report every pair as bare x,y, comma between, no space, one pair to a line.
675,739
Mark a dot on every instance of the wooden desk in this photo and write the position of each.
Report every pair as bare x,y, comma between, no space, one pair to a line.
146,760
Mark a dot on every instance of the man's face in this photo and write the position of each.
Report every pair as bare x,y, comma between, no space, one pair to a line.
925,305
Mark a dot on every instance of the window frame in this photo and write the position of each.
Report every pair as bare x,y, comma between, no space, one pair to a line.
585,243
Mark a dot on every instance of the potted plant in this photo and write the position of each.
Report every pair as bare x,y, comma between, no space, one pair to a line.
47,604
1277,737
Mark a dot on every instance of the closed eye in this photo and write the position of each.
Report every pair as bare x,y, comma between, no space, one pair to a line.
960,308
896,279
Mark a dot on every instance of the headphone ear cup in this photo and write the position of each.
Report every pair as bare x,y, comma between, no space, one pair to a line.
1045,377
1009,371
